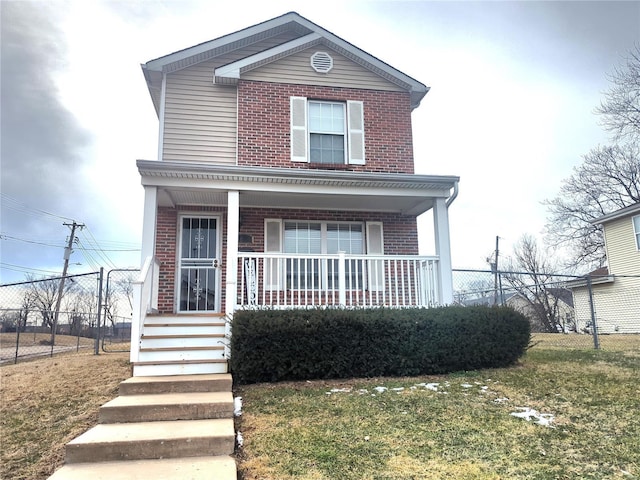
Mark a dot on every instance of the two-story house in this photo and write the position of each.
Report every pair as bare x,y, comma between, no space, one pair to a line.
615,289
284,178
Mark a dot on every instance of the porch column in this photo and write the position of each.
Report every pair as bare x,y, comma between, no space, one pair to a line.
149,223
147,250
233,220
443,250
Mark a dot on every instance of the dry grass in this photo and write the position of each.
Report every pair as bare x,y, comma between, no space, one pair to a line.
47,402
8,340
629,343
465,430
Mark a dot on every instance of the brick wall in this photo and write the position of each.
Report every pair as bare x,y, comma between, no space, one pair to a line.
263,125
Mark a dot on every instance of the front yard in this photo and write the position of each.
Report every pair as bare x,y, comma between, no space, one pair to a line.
458,426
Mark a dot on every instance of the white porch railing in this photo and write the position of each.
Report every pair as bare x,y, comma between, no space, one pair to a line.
145,300
288,280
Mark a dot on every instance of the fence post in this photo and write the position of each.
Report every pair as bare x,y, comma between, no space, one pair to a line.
96,349
594,325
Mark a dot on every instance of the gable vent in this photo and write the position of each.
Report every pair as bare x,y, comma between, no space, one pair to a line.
321,62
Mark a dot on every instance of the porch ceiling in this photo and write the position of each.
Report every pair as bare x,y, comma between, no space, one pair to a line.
197,184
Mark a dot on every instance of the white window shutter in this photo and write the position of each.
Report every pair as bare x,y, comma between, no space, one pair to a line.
355,119
375,246
272,244
299,129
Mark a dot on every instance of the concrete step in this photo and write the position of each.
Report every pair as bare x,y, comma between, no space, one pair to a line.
185,367
149,440
193,468
167,406
176,384
180,353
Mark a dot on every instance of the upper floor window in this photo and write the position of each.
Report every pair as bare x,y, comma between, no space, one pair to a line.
636,230
327,132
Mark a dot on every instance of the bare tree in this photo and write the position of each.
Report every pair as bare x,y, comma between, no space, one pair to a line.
536,285
608,178
620,109
44,295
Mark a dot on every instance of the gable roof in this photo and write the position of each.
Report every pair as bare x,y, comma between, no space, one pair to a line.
306,34
623,212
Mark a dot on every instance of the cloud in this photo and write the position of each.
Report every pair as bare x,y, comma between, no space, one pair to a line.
42,143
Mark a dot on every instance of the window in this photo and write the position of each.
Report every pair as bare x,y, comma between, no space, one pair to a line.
315,238
322,238
327,132
636,230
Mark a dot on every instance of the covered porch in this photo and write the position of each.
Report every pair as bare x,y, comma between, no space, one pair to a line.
269,277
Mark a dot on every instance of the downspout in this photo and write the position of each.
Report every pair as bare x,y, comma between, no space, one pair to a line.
453,195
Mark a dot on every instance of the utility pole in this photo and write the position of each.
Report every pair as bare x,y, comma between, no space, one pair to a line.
495,274
67,253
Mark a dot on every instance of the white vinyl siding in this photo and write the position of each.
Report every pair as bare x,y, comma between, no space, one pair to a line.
199,117
623,256
301,123
636,230
296,69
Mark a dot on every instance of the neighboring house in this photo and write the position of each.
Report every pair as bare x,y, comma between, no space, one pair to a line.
559,308
616,288
285,178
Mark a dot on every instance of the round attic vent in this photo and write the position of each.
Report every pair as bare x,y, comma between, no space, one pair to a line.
321,62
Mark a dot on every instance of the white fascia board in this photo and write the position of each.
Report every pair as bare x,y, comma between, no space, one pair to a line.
623,212
181,55
233,70
167,169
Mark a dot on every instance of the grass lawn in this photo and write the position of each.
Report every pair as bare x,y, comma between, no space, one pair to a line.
8,340
49,401
457,429
461,428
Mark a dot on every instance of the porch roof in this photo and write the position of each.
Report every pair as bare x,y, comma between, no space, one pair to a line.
185,183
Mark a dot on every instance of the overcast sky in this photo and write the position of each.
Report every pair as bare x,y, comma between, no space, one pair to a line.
513,89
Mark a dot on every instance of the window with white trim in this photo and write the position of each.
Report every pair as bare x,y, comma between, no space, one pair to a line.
315,238
327,132
636,230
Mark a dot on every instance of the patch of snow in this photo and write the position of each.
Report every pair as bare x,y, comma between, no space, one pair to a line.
529,414
237,406
381,389
338,390
239,439
398,389
501,400
484,389
363,391
466,385
429,386
366,438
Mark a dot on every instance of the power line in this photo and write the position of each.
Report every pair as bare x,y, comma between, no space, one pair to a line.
15,204
4,236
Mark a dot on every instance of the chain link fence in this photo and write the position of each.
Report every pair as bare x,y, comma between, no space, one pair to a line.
565,311
93,312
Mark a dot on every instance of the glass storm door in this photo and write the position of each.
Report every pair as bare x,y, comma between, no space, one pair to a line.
198,291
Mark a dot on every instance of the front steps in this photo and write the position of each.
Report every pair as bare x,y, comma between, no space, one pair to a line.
182,345
160,427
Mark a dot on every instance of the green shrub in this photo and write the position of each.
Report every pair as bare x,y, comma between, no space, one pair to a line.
301,344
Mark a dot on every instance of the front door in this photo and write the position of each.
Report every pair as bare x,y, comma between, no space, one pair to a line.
198,271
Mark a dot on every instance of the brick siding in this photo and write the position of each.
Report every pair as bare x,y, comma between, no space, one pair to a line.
264,127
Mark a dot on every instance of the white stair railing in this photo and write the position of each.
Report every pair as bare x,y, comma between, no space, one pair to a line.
145,301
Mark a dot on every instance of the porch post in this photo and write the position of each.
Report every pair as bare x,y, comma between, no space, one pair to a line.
147,250
149,223
233,228
443,250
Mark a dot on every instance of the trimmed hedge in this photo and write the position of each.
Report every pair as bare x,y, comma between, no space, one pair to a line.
275,345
